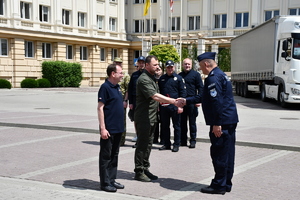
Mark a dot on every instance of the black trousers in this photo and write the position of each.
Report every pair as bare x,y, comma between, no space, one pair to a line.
108,159
222,152
189,115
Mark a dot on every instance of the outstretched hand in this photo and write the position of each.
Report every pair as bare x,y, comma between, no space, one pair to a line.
180,102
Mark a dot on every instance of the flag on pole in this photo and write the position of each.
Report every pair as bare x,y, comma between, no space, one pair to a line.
171,5
146,7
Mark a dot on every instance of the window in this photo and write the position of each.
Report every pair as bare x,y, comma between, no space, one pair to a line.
25,10
46,50
83,53
81,19
102,54
153,26
29,49
138,26
241,19
112,24
143,1
2,7
175,24
194,23
3,47
66,17
271,13
100,22
44,13
296,49
220,21
295,11
114,53
138,53
69,52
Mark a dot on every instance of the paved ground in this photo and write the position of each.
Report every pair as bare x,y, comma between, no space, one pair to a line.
49,150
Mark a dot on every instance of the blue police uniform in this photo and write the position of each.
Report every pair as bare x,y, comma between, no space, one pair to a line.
219,109
110,95
171,86
194,86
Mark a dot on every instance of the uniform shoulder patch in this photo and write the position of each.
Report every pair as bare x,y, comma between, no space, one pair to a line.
213,92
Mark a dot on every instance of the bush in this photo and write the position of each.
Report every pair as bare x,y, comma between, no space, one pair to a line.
5,84
29,83
62,74
43,83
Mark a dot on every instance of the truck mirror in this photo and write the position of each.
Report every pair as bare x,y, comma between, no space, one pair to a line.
285,45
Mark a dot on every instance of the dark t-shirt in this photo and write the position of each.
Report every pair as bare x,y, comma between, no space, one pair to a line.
111,96
146,107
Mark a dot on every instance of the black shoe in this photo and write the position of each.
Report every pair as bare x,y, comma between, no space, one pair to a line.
210,190
109,188
228,189
175,149
150,175
165,148
134,146
118,185
192,145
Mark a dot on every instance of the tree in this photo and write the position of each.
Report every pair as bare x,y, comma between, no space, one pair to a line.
224,60
165,52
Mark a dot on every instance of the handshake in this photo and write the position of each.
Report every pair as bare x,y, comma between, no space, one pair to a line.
180,102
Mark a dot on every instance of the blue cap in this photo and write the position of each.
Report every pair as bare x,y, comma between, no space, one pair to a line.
169,63
141,58
207,55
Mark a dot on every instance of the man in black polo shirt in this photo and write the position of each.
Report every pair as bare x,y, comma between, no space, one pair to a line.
110,117
145,118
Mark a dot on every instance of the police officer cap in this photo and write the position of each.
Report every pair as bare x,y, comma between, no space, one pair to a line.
207,55
117,59
169,63
141,58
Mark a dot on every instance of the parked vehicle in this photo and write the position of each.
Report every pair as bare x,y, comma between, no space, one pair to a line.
266,60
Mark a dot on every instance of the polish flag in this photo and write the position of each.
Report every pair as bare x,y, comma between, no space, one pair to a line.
171,5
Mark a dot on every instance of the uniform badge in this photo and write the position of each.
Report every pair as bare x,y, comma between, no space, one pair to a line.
175,78
213,92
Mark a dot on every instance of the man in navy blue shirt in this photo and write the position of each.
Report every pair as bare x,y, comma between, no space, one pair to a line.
194,86
171,85
220,114
111,125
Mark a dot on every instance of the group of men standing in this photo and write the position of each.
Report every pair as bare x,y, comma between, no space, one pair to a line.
175,96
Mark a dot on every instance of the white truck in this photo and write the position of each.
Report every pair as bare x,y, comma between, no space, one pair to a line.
266,60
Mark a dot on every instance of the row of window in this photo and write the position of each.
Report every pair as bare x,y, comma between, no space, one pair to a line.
44,16
47,51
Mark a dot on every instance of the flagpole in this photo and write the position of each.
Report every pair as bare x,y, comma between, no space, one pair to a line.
150,21
180,40
171,23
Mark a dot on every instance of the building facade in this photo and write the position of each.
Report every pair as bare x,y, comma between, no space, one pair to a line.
94,32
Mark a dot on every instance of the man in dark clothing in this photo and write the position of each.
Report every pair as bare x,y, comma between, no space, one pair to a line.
171,85
194,86
110,117
220,114
132,88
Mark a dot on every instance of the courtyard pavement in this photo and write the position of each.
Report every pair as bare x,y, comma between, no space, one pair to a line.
49,146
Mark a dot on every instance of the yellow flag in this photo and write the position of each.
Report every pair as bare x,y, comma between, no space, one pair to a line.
146,7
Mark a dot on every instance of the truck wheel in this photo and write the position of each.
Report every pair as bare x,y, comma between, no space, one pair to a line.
246,91
263,95
236,88
242,92
281,100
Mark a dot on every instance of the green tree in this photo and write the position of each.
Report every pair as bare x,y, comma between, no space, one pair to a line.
224,60
165,52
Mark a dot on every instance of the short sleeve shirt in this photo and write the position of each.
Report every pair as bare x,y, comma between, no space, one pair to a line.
146,107
110,95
